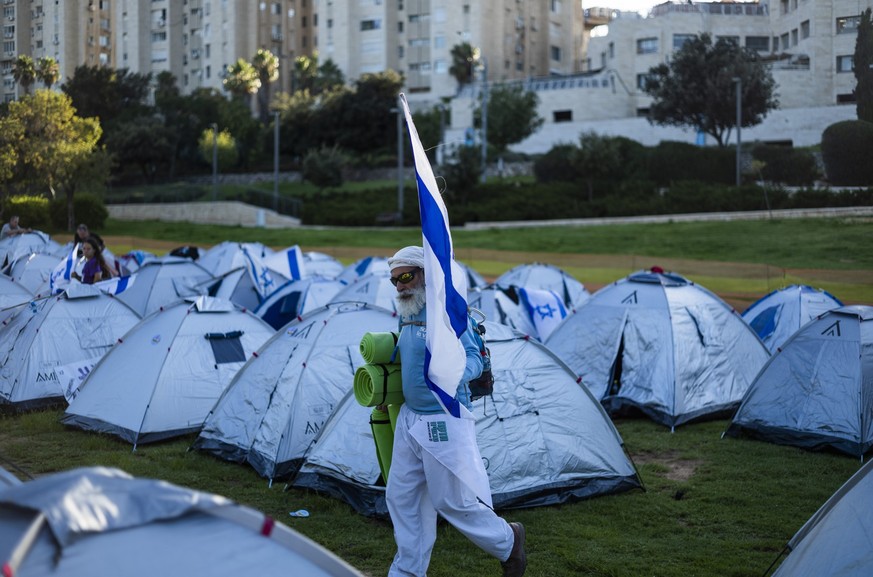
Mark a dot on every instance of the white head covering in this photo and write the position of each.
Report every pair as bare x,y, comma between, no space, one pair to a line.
407,256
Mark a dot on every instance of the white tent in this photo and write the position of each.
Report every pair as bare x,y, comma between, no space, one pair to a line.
22,245
296,298
271,412
80,324
781,313
502,306
165,375
228,255
374,288
818,390
837,541
544,439
319,263
546,277
659,343
163,281
101,522
12,293
362,267
33,271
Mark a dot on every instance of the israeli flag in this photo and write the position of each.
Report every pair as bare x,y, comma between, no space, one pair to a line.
545,309
260,275
60,277
116,285
446,287
288,263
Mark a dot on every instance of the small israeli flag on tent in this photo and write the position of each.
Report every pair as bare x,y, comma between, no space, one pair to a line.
260,274
446,286
288,263
545,309
116,285
60,277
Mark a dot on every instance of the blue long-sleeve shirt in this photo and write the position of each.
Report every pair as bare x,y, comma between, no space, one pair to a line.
412,348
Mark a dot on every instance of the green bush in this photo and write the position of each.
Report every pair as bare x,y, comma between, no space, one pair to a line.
87,208
32,211
696,196
462,173
785,165
675,161
323,167
845,149
556,165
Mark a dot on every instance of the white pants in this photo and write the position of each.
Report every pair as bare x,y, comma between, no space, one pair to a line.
420,485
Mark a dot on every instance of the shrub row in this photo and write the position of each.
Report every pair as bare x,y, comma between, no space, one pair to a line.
40,213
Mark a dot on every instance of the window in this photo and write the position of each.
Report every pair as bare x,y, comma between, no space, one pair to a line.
562,116
794,37
439,42
374,24
439,14
804,29
226,347
784,41
845,63
555,6
848,24
303,22
759,43
400,27
775,44
400,52
612,49
159,36
642,80
440,66
417,42
679,40
647,45
275,8
555,52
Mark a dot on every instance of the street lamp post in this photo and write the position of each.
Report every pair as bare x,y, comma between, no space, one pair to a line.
276,161
214,161
739,82
484,118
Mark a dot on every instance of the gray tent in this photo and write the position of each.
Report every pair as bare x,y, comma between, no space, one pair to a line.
100,522
780,314
160,282
818,390
80,324
374,288
543,437
662,344
837,541
276,404
546,277
165,375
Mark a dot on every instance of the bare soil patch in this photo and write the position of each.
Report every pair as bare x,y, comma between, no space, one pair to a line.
678,469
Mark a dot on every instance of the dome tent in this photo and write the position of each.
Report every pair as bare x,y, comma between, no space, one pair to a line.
162,281
835,541
546,277
818,390
165,375
296,298
101,522
374,288
659,343
780,314
543,437
82,323
271,412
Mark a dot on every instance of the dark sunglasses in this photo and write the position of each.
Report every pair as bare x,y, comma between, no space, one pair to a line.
404,277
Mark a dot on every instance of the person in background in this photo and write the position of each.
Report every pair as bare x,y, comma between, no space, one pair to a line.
81,234
95,268
12,228
436,461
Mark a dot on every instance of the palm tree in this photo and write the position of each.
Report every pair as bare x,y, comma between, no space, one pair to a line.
267,65
465,57
329,76
24,72
48,71
242,79
305,71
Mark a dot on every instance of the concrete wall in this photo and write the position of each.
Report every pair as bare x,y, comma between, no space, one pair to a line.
224,213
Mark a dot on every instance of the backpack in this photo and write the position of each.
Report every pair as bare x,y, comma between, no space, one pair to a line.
483,385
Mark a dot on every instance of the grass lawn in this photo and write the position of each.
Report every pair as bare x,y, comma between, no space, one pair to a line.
711,507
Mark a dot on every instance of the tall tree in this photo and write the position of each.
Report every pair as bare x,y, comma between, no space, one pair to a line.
329,77
465,58
597,158
54,145
512,115
863,62
367,121
113,96
24,72
267,65
242,79
48,71
697,88
305,72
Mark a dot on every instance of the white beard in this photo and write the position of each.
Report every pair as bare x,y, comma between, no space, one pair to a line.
410,303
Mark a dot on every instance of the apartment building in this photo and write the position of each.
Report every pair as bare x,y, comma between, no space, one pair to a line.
196,40
808,44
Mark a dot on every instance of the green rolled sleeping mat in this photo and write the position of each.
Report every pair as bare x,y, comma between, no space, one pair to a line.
383,435
378,348
378,385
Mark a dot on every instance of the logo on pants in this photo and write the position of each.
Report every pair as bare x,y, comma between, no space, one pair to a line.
437,432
